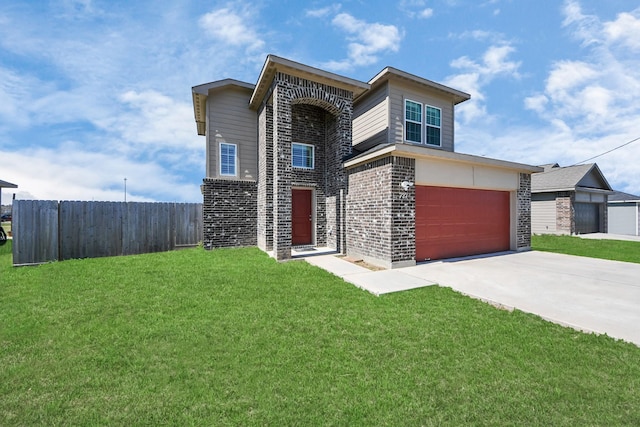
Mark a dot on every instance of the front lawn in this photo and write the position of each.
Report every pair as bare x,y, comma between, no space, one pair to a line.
617,250
230,337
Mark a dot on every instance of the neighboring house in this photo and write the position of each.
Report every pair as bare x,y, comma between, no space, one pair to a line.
569,200
5,184
623,212
306,157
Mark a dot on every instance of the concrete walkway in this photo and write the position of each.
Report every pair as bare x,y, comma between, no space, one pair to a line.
584,293
607,236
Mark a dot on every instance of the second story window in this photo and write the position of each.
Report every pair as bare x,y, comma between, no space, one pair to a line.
413,121
302,156
228,159
432,120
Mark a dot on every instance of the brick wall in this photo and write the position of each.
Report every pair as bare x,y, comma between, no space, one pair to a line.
523,212
307,112
380,213
403,220
229,213
565,215
265,181
309,126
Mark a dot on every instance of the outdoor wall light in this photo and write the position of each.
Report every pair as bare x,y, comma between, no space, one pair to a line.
406,185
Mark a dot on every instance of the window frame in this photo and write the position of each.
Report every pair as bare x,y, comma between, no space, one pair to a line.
407,120
427,125
313,156
235,159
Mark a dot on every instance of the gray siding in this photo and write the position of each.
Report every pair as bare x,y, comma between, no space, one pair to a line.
543,214
371,117
623,218
230,120
398,92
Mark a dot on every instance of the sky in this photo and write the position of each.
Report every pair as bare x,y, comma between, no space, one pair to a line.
93,92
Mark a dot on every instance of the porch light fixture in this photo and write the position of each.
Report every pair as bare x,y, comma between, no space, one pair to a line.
406,185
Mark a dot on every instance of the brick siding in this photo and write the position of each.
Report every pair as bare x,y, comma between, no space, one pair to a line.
380,214
311,113
523,213
565,213
229,213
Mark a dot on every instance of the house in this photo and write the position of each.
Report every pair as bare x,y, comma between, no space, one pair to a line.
306,157
5,184
569,200
623,213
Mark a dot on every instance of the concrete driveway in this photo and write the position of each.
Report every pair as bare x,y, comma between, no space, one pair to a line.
585,293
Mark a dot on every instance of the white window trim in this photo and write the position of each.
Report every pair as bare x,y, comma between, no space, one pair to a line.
235,159
313,156
426,140
422,136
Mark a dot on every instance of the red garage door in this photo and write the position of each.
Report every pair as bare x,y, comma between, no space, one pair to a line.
452,222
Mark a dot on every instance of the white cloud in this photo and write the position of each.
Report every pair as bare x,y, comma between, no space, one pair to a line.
416,9
587,106
367,41
567,75
323,12
425,13
152,118
475,75
536,103
597,94
232,27
14,92
69,172
625,30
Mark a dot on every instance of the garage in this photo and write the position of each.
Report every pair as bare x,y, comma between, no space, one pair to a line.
587,218
453,222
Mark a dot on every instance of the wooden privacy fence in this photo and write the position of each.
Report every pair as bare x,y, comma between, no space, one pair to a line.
45,230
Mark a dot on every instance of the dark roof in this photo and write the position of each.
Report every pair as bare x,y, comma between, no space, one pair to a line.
619,196
569,178
5,184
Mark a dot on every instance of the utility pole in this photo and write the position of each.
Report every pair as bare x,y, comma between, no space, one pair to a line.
125,190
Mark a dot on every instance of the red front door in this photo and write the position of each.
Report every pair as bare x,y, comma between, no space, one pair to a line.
301,217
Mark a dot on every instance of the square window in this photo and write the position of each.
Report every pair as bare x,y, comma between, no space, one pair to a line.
302,155
228,159
433,120
413,121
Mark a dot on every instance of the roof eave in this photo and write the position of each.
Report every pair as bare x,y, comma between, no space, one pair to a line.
199,96
274,64
456,95
414,151
6,184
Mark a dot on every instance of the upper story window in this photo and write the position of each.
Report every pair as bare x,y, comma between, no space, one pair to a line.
414,124
228,159
413,121
432,120
302,155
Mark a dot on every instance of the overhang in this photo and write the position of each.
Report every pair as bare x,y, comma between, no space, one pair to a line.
577,188
390,73
275,64
5,184
415,151
200,93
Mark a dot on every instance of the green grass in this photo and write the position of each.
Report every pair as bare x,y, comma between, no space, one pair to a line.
230,337
616,250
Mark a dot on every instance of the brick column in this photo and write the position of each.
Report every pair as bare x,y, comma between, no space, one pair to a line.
281,173
523,213
265,182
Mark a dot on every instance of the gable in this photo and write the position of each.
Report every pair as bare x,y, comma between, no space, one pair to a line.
570,178
594,179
